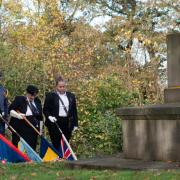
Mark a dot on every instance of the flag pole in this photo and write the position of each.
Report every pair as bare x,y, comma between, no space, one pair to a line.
67,143
74,156
37,158
30,124
11,128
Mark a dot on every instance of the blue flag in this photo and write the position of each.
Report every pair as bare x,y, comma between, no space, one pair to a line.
10,153
24,147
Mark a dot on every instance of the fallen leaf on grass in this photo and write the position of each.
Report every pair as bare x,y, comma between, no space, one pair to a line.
13,177
33,174
60,173
93,178
146,178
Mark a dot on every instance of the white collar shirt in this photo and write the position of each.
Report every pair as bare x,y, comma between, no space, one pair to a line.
62,112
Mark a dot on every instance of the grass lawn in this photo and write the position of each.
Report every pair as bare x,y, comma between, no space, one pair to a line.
59,171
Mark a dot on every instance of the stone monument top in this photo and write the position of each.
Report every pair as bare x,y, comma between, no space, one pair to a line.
172,93
152,132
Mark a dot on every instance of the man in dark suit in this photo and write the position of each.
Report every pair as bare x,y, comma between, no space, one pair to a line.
60,107
30,107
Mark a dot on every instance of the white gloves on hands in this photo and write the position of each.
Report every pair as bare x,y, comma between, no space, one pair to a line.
75,128
6,126
52,119
2,114
41,127
14,114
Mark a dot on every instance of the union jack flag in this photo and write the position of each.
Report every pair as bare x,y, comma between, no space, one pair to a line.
65,151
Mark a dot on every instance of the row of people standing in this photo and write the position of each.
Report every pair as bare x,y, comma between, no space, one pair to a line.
59,107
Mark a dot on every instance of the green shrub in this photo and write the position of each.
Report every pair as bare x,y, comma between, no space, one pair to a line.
100,129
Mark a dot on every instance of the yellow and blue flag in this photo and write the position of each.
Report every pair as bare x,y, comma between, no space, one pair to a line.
47,151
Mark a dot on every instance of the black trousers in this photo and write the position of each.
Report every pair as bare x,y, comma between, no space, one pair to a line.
2,127
55,134
25,131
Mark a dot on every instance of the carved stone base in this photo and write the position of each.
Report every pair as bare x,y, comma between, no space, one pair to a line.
152,132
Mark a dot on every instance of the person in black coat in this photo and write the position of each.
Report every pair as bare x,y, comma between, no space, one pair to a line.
30,107
60,107
3,105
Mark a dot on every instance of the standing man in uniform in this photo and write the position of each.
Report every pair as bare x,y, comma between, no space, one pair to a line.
30,107
60,107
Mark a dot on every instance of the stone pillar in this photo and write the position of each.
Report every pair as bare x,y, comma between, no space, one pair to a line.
153,132
172,93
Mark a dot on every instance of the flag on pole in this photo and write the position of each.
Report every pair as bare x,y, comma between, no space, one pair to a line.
25,148
47,151
10,153
65,151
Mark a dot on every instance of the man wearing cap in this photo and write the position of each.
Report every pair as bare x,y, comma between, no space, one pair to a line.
30,107
3,106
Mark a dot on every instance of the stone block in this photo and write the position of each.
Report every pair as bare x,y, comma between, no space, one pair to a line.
173,62
151,133
172,95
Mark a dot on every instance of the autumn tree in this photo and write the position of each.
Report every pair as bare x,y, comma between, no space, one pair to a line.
117,65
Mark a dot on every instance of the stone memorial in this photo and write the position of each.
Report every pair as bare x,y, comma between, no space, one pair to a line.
153,132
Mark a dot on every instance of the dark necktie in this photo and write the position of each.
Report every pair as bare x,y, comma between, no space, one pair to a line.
33,109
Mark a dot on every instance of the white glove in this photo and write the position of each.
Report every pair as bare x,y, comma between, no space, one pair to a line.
14,114
6,126
75,128
1,115
52,119
41,127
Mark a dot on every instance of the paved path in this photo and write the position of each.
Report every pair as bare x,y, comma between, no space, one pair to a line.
118,162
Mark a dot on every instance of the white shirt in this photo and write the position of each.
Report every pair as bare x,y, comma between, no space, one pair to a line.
29,112
65,100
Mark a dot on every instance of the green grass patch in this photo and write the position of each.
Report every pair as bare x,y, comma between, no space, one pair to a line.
58,170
